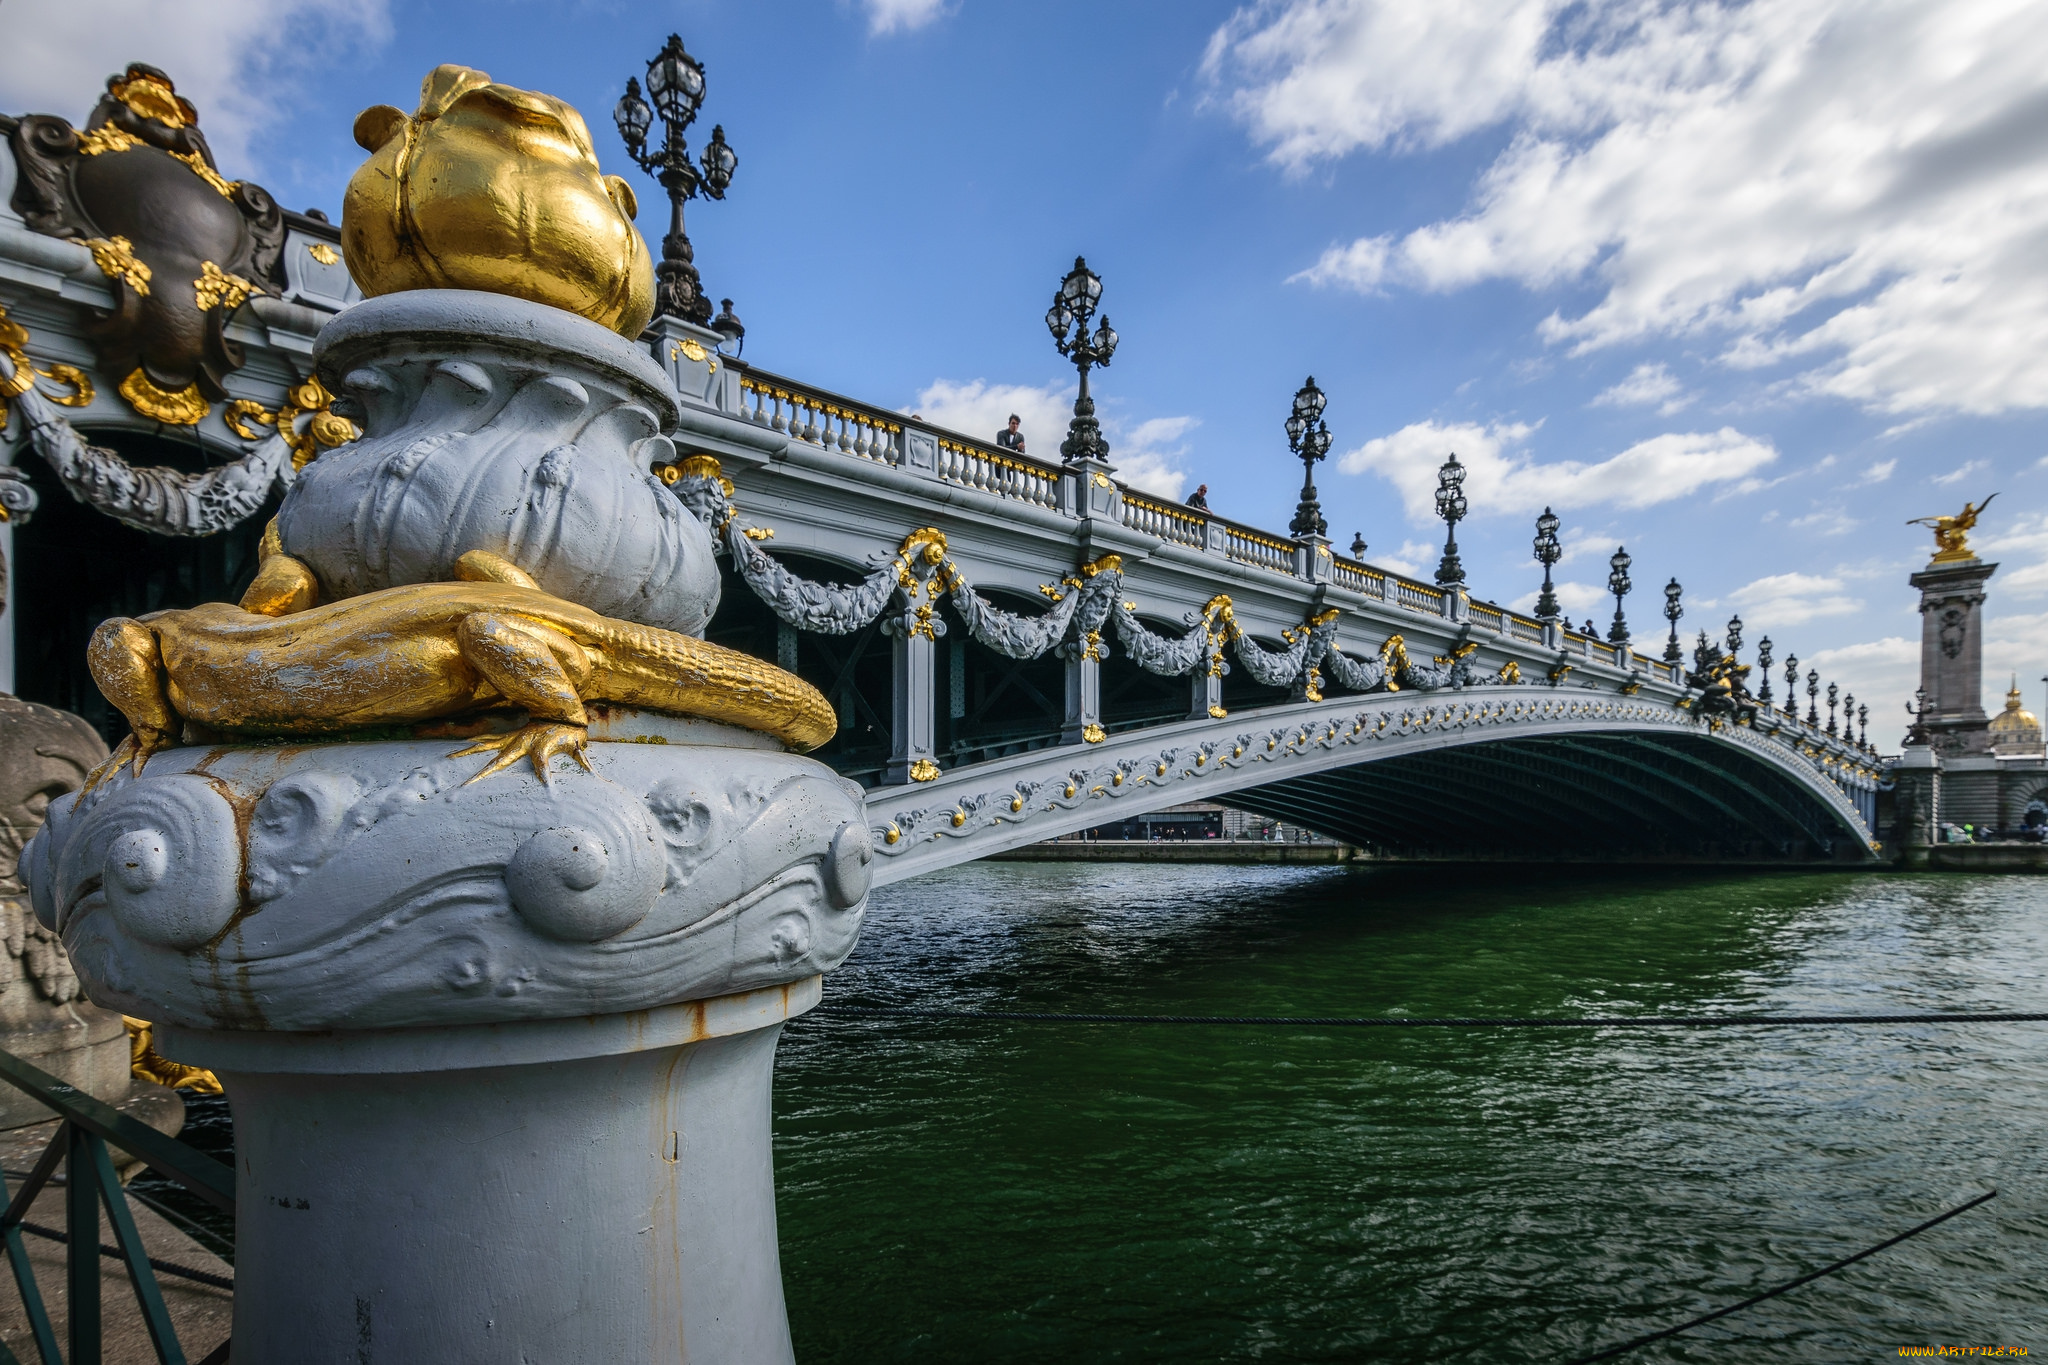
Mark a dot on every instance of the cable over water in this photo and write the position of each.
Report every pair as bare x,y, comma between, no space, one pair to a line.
1383,1021
1625,1347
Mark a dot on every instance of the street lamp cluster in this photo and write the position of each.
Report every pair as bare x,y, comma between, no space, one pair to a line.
1308,436
675,82
1073,307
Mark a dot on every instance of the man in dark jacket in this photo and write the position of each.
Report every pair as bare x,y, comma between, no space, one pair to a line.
1012,436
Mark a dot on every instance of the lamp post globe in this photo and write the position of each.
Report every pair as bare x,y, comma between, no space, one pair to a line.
1308,436
1073,308
1734,635
675,84
1450,505
1618,583
1548,552
1673,609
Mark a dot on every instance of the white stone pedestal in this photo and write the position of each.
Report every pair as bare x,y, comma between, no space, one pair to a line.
572,1191
499,1053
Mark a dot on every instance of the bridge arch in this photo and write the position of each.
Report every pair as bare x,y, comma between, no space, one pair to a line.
1521,773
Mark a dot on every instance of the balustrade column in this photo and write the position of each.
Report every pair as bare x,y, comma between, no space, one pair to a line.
912,695
1206,701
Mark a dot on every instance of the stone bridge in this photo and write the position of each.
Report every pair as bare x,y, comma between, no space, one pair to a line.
1016,649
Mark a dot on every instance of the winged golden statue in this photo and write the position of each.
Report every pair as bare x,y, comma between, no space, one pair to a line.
1951,534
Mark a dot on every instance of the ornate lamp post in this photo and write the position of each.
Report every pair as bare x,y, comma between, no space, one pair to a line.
1618,583
1834,694
1450,505
1308,436
1073,306
675,82
1863,726
1734,635
1763,668
1548,552
1358,545
1812,697
1673,609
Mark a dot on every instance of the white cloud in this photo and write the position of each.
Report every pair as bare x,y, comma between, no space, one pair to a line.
1146,455
1827,521
2022,552
237,60
1790,599
1857,187
1960,472
1577,600
1359,265
2015,649
1880,471
1502,477
1647,385
1415,559
889,16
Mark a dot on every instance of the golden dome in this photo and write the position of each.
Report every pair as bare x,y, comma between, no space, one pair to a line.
2015,729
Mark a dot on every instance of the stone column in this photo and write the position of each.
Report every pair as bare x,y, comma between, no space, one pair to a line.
1952,655
1206,695
912,694
1083,724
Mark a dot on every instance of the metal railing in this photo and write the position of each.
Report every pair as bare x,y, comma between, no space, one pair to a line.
90,1184
1166,520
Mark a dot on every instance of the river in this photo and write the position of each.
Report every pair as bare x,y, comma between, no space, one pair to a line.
980,1191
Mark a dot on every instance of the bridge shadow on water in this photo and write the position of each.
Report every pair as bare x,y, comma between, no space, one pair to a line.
958,1189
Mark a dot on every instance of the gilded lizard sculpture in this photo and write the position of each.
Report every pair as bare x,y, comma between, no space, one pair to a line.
278,664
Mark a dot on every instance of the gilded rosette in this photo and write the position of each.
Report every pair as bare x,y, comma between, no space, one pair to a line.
486,186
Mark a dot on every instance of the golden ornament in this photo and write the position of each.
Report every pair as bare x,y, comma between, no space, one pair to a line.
278,665
486,186
184,408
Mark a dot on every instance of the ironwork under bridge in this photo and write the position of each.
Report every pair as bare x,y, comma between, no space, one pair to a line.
1016,649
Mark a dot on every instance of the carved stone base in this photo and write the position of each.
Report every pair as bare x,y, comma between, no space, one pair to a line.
591,1190
499,1051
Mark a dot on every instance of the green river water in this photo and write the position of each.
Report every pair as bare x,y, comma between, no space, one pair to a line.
977,1191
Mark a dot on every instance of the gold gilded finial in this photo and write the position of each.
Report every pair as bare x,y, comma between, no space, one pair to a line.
490,187
1952,534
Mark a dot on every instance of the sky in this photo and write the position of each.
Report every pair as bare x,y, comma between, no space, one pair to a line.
1743,287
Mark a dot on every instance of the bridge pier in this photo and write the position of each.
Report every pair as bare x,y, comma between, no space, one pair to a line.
1084,693
913,735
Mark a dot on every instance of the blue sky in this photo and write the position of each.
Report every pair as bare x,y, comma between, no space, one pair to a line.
1742,286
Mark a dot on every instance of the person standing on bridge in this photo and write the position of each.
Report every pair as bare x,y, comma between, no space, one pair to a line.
1012,436
1200,497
